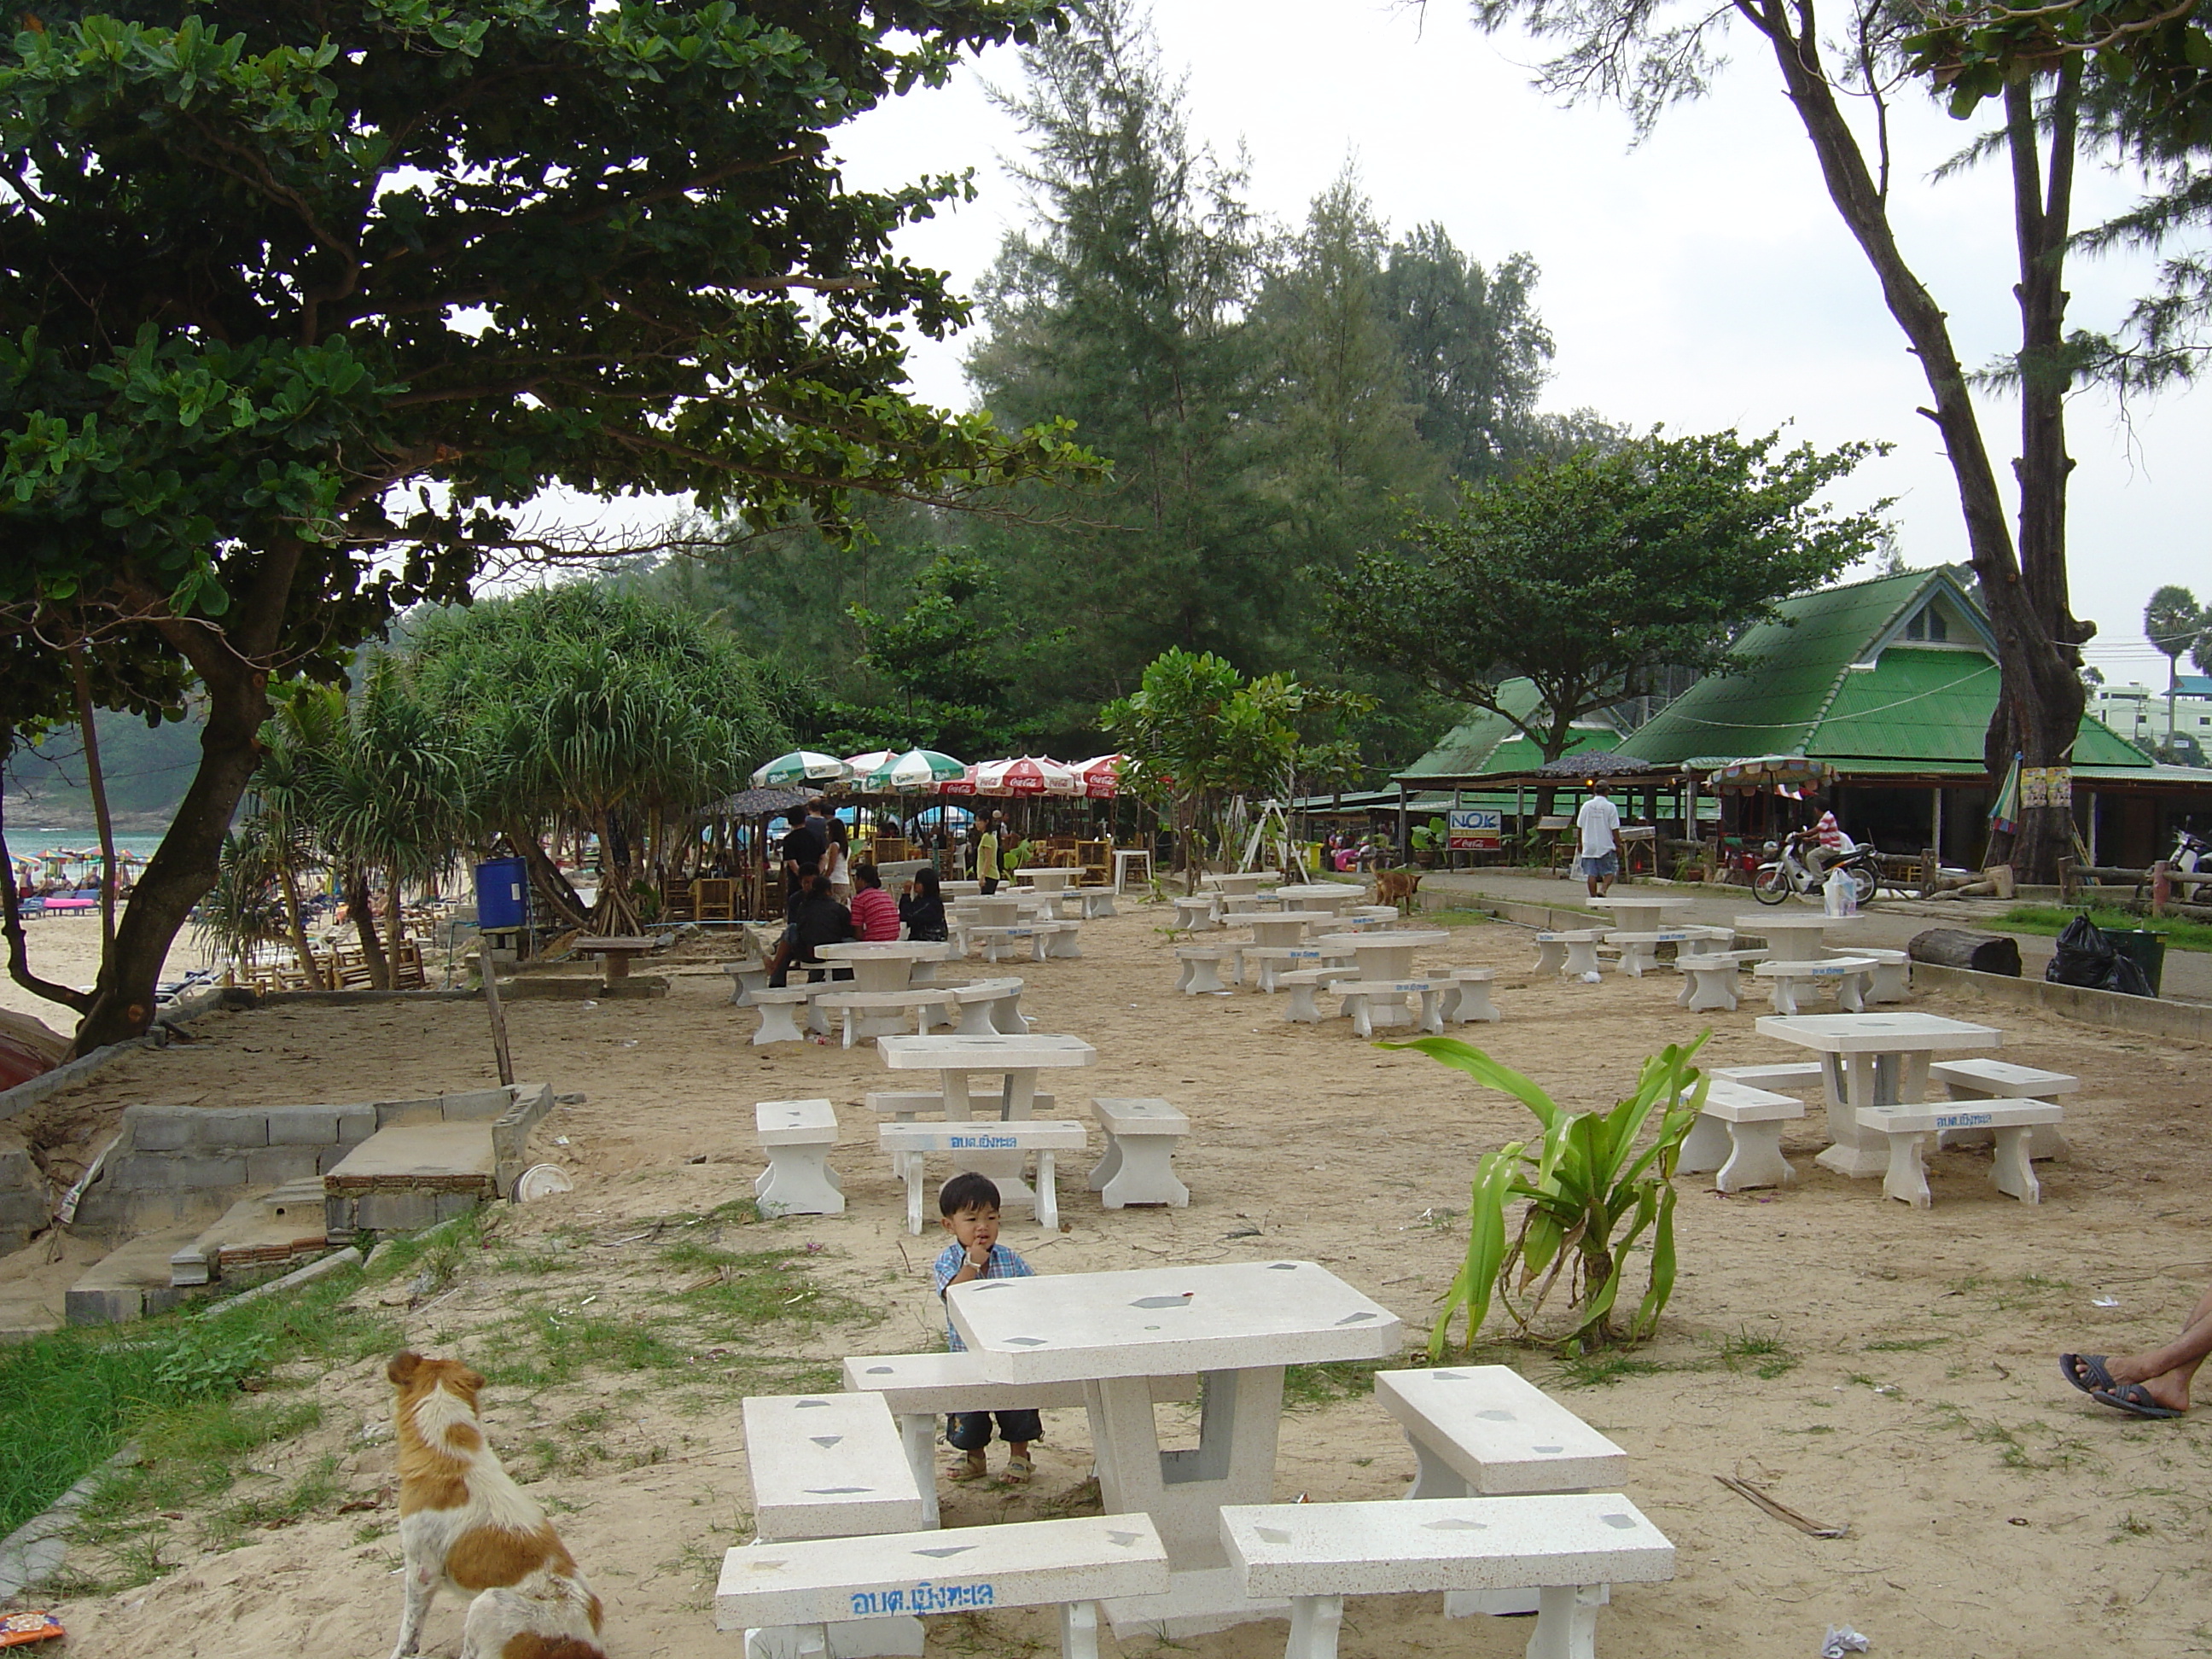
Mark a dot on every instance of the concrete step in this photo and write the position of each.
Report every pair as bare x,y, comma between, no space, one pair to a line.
130,1281
410,1176
263,1229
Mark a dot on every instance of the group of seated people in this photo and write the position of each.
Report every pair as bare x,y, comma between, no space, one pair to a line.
814,917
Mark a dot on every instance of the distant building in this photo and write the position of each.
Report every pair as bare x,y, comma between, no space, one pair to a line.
2138,713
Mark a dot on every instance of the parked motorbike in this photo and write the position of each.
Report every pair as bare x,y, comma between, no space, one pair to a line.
1785,875
2192,853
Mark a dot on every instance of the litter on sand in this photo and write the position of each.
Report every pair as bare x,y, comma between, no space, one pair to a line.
17,1628
1780,1510
1842,1639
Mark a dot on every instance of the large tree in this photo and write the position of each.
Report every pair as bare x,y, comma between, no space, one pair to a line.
300,303
1651,54
1593,575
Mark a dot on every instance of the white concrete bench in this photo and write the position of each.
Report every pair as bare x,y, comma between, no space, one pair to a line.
989,1006
1244,904
922,1389
1375,915
1302,984
1200,972
745,978
2001,1079
1570,1546
1788,1074
904,1106
1468,998
1891,979
1847,974
1738,1136
1381,1003
1062,939
1574,951
883,1013
1639,951
778,1010
1709,978
796,1136
1699,940
1139,1167
1046,1137
827,1466
1075,1565
1000,942
1269,962
2009,1122
1196,914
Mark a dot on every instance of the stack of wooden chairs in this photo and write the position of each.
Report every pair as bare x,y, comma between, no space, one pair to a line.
344,966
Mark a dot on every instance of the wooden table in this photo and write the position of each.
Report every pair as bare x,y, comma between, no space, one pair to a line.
1872,1060
1237,1325
1792,936
615,951
884,964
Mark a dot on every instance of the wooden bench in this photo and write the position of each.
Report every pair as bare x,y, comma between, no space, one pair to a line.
1570,1546
1074,1564
922,1389
1302,983
1196,914
796,1136
2001,1079
1573,951
1467,998
1847,974
1708,978
1200,973
1139,1167
1046,1137
2009,1122
1487,1431
882,1013
990,1008
1362,998
1738,1136
777,1008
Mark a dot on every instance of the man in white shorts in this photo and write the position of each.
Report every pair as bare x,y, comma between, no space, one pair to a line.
1598,820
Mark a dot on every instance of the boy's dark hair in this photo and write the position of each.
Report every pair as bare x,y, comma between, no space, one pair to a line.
865,874
967,1191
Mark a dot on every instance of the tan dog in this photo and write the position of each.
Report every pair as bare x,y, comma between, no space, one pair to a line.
1398,887
463,1522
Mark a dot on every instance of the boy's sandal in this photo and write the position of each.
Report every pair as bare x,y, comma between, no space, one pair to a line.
1019,1470
965,1469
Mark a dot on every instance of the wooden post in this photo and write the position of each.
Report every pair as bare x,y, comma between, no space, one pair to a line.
498,1013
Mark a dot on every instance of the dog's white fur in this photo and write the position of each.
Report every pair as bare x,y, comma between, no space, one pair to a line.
465,1524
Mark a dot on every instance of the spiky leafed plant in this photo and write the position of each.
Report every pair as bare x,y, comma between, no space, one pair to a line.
244,909
1592,1194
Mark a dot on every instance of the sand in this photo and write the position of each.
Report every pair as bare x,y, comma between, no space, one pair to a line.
1916,1400
65,949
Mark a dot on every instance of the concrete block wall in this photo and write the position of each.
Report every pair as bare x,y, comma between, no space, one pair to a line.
173,1164
23,1200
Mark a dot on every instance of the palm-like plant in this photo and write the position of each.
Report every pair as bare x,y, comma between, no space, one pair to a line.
243,909
1592,1192
2174,623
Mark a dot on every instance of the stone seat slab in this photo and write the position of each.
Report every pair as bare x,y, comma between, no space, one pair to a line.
1992,1079
827,1465
2007,1121
796,1136
1738,1137
1139,1165
1485,1430
1046,1137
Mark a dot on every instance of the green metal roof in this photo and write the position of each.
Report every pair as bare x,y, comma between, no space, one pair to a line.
1917,705
1487,742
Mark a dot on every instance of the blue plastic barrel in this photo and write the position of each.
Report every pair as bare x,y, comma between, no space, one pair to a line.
502,893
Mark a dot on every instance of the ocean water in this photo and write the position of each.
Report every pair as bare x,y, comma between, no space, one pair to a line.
25,840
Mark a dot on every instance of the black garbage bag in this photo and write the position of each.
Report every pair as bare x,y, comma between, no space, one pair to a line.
2085,957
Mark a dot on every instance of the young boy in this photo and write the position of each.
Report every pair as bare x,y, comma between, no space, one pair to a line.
968,1208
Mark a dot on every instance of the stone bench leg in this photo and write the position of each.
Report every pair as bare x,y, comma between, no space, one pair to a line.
1893,982
1755,1157
1432,1019
1138,1169
1473,1003
777,1023
1850,997
2043,1139
1566,1621
1363,1023
1550,957
2014,1169
918,1436
852,1638
799,1181
1705,1148
975,1020
1908,1177
1582,956
1708,987
1315,1622
1636,958
1302,1008
1785,996
1066,942
1202,976
1047,1193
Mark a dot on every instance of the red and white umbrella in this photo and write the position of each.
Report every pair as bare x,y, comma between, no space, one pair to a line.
1031,775
1100,776
962,784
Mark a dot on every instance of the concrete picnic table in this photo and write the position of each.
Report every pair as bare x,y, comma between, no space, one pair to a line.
1049,878
1638,913
614,951
1249,882
1383,956
1792,937
1017,1059
1284,926
884,964
1330,897
1236,1324
1872,1060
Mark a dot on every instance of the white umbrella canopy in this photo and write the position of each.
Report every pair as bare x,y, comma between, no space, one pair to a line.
801,766
1100,776
1030,775
860,769
917,769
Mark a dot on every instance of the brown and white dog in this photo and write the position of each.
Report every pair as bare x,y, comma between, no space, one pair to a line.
463,1522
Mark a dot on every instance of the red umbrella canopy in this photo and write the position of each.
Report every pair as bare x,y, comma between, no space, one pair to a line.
1031,775
1100,776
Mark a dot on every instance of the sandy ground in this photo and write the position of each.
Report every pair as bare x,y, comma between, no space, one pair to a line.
66,950
1991,1511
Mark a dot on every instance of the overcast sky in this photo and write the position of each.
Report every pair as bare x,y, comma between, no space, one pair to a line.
1701,280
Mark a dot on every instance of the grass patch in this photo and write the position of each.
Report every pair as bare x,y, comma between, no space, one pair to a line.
184,1389
1762,1356
1308,1386
1903,1344
1604,1368
2051,920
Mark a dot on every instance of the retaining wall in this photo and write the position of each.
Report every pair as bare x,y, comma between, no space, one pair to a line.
23,1200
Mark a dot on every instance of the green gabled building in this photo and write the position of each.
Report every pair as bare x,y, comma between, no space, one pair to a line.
1893,682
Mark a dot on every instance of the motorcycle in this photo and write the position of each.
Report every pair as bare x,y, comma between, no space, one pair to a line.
1785,875
2190,854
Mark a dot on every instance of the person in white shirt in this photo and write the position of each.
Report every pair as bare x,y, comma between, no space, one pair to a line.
1601,853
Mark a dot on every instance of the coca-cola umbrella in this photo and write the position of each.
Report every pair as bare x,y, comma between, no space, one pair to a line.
1100,776
1030,775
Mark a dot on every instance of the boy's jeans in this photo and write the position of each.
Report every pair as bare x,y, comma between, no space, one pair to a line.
971,1431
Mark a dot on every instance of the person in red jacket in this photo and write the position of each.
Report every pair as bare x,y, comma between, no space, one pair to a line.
875,913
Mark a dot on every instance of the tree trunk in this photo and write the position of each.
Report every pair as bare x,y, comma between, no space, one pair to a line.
290,882
360,907
96,782
395,926
2040,697
546,879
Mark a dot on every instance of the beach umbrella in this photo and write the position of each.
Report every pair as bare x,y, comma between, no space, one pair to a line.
860,768
917,770
801,766
1763,772
1031,775
1100,776
962,784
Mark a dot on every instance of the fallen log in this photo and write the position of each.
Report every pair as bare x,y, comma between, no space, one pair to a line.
1962,947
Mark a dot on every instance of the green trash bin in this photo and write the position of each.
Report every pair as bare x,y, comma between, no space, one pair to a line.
2145,948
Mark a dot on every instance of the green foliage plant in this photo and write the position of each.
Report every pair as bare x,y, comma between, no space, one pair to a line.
1592,1194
